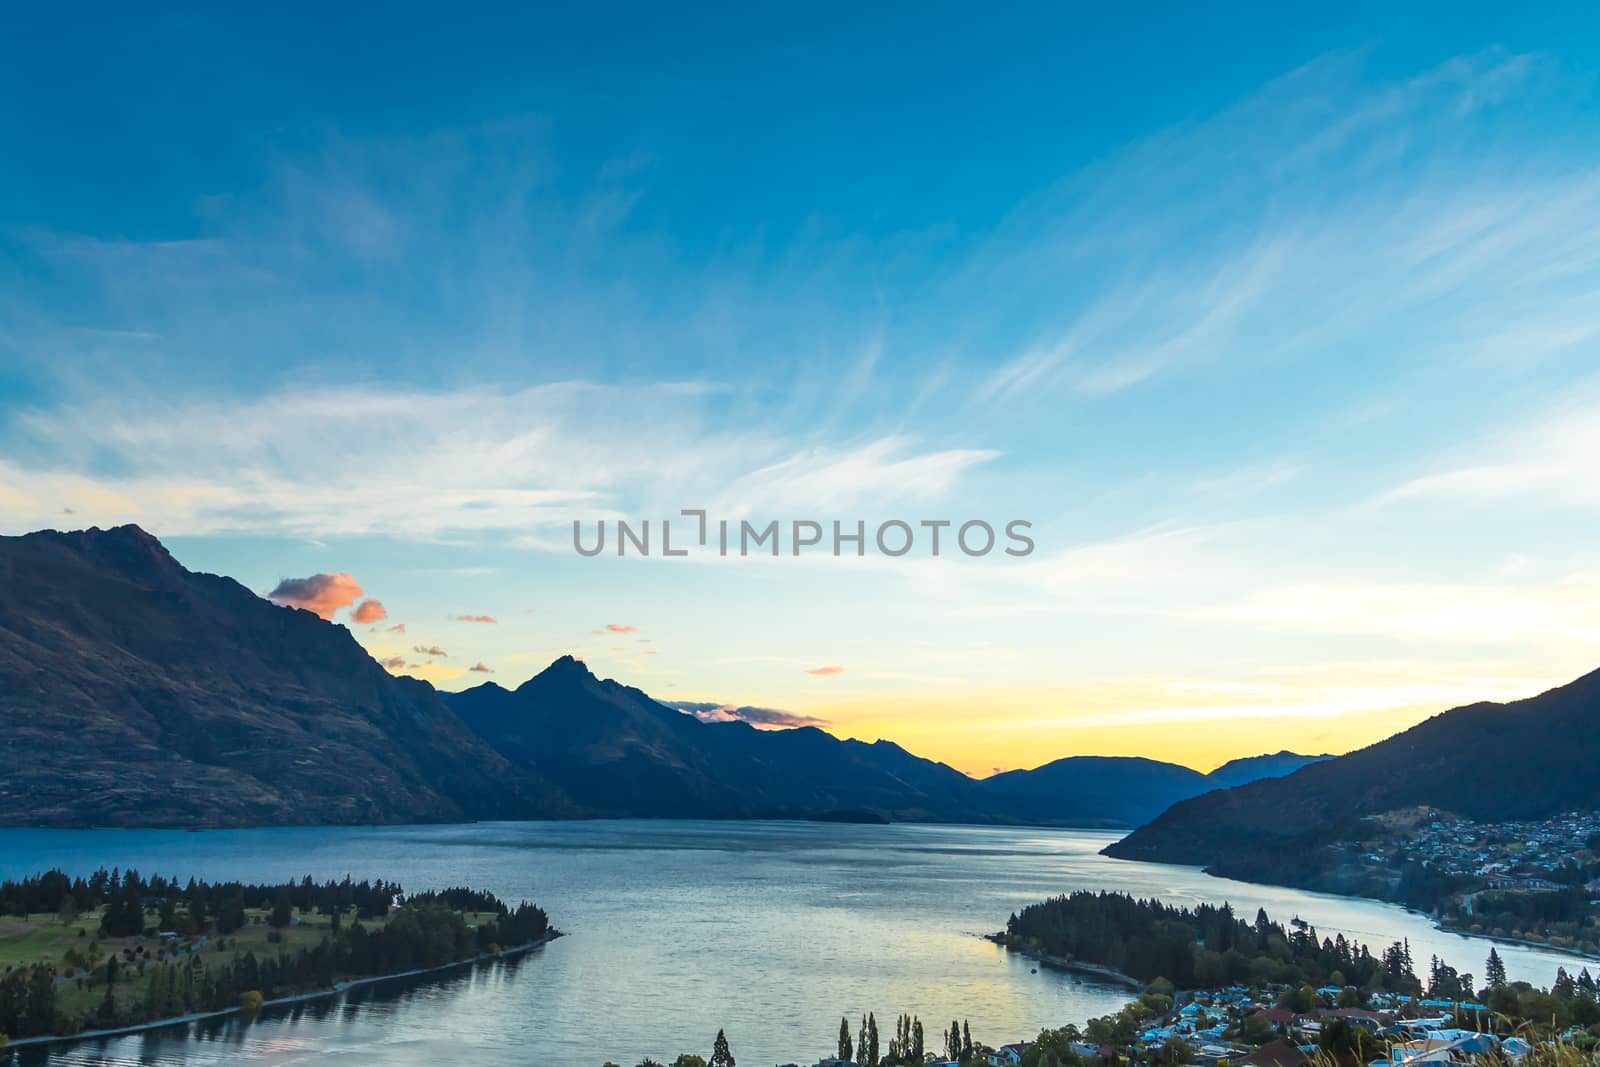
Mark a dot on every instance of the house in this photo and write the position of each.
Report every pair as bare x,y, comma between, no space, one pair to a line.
1008,1055
1278,1053
1440,1049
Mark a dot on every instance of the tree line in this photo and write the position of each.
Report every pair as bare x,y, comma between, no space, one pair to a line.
425,930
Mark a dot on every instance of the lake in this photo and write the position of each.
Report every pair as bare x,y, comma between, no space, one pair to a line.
772,930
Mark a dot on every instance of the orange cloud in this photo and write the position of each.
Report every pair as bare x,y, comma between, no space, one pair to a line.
761,718
369,611
320,593
618,628
824,671
474,618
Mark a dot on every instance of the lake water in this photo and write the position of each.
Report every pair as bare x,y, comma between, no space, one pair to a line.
770,930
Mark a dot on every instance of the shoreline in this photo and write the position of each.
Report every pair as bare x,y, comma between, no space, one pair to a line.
293,998
1439,924
1433,918
1062,963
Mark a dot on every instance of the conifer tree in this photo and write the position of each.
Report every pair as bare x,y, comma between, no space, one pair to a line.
966,1039
846,1049
1495,970
720,1054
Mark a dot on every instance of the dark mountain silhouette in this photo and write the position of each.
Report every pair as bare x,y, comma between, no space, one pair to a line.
1523,760
1254,768
1120,790
615,751
1104,790
135,692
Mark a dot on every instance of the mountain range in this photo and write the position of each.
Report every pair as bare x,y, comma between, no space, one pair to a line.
1526,759
134,692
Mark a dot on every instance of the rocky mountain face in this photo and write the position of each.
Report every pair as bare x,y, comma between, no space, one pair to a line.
134,692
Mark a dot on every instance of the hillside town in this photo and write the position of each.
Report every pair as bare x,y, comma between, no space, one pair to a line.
1554,853
1273,1026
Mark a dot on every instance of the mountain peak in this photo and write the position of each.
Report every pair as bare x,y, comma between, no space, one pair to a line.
567,667
129,550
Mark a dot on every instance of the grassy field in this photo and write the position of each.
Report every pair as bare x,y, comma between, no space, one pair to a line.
48,938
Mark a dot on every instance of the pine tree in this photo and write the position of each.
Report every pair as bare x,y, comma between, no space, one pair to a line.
720,1055
1495,970
846,1049
1564,986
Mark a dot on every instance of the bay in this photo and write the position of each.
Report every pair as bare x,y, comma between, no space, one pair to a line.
771,930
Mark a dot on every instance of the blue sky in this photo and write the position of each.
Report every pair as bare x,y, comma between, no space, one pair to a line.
1280,328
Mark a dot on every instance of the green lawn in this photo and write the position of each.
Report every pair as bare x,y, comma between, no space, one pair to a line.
45,938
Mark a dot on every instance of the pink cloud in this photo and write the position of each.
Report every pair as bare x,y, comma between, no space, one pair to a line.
393,663
618,628
481,668
474,618
825,671
429,650
320,593
397,628
369,611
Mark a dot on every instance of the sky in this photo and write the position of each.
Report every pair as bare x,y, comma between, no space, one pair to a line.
1280,329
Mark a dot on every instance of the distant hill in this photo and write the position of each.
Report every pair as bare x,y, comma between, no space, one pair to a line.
1094,790
1254,768
1523,760
134,692
1120,790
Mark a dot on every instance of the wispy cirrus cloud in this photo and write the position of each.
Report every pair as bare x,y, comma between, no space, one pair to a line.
521,460
474,618
1553,460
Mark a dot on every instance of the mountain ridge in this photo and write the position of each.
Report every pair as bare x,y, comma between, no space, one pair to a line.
1485,761
134,692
